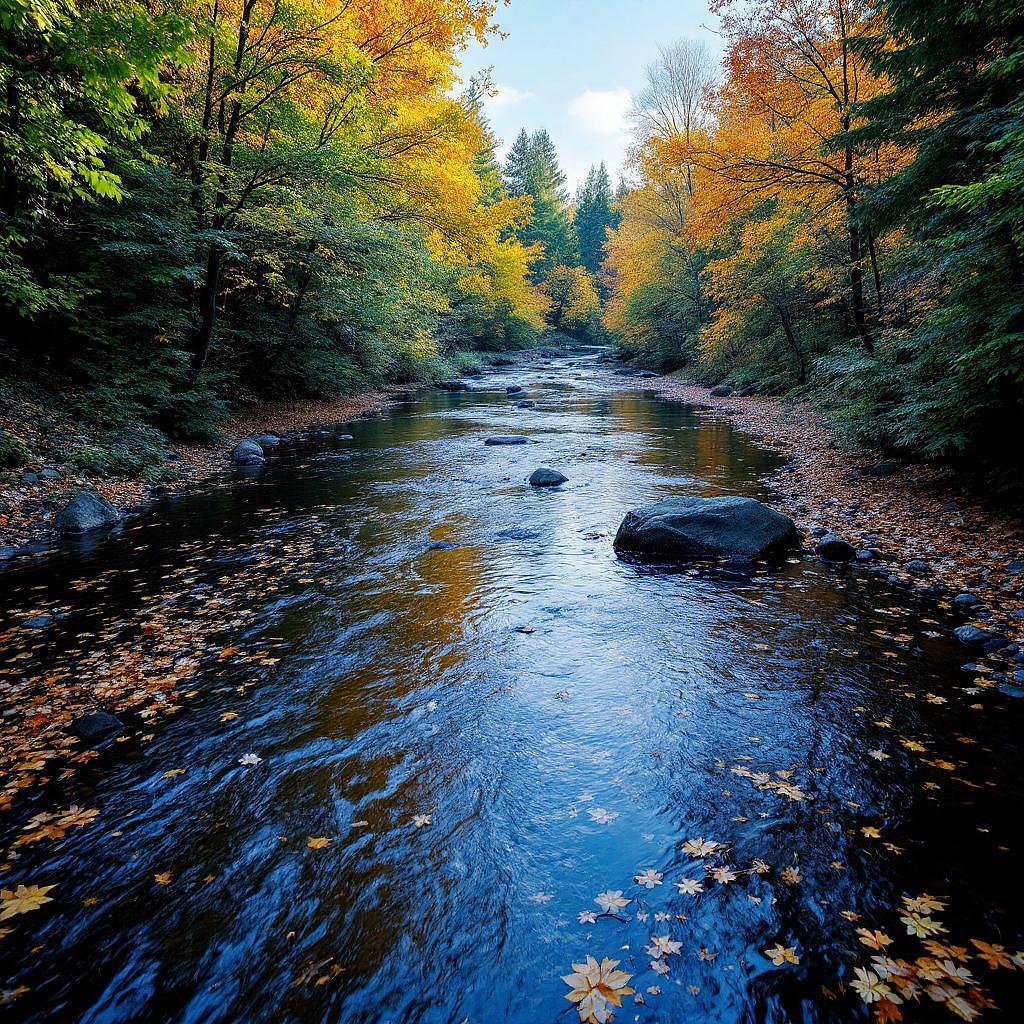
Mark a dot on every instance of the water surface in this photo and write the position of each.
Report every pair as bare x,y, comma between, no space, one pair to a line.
398,626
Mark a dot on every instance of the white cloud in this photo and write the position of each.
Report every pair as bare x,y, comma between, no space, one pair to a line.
601,113
507,96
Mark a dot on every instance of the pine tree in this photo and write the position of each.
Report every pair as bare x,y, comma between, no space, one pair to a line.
593,217
485,160
517,167
532,169
956,100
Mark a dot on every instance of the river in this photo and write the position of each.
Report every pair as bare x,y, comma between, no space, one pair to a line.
428,717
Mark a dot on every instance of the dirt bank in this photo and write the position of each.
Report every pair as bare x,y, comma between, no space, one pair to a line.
28,509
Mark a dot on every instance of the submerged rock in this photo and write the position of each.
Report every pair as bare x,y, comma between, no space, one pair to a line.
526,403
505,439
513,389
453,385
917,567
544,477
247,453
966,600
87,512
98,728
266,440
835,549
692,528
722,391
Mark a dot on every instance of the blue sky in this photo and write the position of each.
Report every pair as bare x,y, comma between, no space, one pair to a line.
572,66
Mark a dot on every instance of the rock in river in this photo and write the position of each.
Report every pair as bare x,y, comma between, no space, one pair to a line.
247,453
86,513
544,477
98,728
513,389
835,549
974,637
722,391
266,440
507,439
693,528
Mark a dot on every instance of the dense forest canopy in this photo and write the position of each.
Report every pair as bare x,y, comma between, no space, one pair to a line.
301,197
838,209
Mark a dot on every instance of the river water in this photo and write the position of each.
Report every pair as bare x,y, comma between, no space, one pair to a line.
450,677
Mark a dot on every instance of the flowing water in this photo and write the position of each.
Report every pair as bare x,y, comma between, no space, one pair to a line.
403,631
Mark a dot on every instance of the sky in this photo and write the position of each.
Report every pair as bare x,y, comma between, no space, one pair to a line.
573,66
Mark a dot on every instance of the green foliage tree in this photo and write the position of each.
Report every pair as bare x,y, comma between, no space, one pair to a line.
951,380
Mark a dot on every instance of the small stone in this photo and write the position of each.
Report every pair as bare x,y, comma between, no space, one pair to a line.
507,439
835,549
526,403
98,728
544,477
513,389
87,512
247,453
966,600
39,622
917,567
973,636
49,474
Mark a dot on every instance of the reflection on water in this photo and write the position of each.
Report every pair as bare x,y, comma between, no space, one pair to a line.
380,594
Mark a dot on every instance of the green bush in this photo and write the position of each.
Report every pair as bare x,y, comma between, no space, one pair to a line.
14,451
131,451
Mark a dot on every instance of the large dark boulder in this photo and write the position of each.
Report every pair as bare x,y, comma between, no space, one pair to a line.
247,453
544,477
693,529
505,439
835,549
513,389
87,512
722,391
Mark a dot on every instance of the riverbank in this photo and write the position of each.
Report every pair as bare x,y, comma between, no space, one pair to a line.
904,513
36,491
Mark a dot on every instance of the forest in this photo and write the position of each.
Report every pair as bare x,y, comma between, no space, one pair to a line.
510,511
205,200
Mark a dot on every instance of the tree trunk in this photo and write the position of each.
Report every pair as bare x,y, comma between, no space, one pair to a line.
856,259
203,336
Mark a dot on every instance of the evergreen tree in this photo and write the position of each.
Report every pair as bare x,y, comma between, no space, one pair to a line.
532,169
485,160
517,167
956,101
594,215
